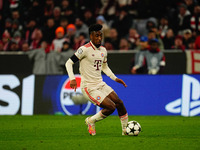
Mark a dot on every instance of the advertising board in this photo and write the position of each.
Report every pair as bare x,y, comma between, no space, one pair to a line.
145,95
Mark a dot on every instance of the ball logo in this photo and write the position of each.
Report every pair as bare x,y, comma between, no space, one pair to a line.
102,54
68,103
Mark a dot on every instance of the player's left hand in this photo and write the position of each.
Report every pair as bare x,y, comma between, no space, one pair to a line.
121,81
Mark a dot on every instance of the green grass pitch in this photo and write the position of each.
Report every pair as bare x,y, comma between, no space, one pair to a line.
48,132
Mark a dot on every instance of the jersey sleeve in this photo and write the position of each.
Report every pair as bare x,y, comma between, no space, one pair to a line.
105,58
80,53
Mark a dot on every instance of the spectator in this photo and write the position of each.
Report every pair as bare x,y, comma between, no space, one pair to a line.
64,23
16,27
133,37
16,16
163,26
5,40
195,20
123,3
151,24
45,46
187,35
140,26
178,43
191,44
69,15
36,39
25,47
197,43
18,38
48,8
81,27
113,37
116,13
154,57
138,63
30,27
153,34
92,5
190,5
108,9
59,40
123,44
101,20
71,31
108,44
13,46
65,5
49,31
183,19
81,40
36,12
168,39
5,10
122,23
17,23
1,46
8,25
1,23
66,47
144,26
89,19
57,16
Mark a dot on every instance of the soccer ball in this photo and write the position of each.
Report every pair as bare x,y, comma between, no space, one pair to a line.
133,128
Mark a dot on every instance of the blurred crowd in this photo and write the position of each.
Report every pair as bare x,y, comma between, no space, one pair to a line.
60,25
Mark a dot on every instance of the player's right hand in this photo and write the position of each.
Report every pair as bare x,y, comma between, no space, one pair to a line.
121,81
73,84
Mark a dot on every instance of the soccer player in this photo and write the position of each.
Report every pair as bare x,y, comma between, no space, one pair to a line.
93,60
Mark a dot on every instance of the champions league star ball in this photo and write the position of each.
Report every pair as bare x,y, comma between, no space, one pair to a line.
133,128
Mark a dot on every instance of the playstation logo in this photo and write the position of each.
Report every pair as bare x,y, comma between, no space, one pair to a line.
189,103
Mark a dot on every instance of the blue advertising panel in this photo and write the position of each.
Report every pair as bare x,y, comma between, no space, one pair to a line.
145,95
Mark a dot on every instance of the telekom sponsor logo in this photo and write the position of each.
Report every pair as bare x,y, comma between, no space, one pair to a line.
189,103
97,64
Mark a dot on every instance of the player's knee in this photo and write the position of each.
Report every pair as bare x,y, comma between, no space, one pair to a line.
112,107
116,100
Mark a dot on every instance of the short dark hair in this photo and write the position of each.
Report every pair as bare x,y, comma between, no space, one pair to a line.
95,27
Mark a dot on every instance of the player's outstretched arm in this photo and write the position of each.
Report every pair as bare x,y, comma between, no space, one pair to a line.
121,81
70,72
108,72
